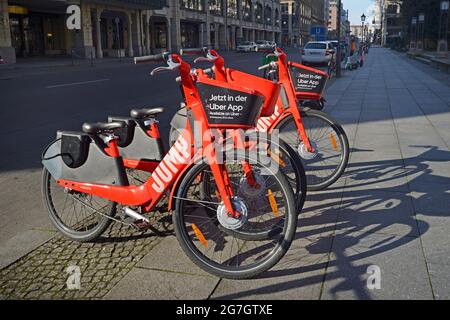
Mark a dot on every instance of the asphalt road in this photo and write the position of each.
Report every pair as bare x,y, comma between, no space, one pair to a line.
34,105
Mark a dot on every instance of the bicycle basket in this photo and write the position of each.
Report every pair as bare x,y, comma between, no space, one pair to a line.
135,143
268,89
75,156
229,105
309,83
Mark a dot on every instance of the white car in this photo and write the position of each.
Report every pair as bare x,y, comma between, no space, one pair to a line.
317,52
263,45
247,46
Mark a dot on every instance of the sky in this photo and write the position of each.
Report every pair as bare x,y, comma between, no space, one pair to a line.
357,8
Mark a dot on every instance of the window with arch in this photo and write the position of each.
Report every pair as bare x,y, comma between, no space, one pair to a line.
247,10
268,15
259,13
277,17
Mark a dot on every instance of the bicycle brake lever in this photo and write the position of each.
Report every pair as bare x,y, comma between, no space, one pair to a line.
159,69
171,66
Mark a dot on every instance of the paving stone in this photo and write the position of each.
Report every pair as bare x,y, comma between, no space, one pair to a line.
298,275
403,270
148,284
44,270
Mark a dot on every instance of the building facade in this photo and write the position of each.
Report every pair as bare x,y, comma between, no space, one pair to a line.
392,25
297,19
318,13
333,20
132,27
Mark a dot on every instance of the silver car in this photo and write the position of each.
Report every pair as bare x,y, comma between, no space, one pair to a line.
246,46
317,52
263,45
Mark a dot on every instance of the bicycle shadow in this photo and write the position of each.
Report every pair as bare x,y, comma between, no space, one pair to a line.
344,228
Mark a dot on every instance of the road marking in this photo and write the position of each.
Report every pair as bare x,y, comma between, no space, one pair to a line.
75,83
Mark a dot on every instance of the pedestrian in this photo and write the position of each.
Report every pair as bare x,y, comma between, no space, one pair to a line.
352,46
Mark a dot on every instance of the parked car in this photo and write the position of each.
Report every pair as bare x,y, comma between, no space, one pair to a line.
343,49
317,52
247,46
263,45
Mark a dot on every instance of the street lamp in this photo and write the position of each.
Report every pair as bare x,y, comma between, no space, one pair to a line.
363,19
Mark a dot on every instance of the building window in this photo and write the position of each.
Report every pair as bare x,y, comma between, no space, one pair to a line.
268,15
277,18
196,5
232,9
259,13
247,10
215,7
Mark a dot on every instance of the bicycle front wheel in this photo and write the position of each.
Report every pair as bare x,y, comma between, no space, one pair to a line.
211,238
327,163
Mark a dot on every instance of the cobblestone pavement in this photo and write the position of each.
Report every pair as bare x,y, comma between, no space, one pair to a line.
43,273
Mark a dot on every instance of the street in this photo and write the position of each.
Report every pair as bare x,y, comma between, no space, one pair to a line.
390,211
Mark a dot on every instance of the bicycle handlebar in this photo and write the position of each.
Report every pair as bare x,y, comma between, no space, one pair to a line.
161,57
266,66
194,51
207,71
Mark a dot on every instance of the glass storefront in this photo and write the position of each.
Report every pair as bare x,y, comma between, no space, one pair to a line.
34,33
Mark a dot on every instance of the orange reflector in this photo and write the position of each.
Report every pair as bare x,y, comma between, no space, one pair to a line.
333,141
199,235
273,203
277,158
217,194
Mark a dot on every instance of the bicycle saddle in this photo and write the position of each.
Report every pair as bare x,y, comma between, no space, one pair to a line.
100,127
144,113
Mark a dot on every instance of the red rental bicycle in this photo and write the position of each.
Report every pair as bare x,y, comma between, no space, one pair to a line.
84,184
316,137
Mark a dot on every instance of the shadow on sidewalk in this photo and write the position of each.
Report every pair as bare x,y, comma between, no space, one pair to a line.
363,214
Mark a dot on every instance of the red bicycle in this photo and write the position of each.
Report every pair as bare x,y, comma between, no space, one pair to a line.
228,231
317,138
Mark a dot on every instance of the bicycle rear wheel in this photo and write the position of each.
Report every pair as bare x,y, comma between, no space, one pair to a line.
213,241
324,166
78,216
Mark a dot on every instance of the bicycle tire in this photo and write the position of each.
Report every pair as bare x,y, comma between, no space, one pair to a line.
62,227
286,236
343,146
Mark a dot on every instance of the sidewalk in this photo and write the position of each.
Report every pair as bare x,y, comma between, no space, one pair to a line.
391,210
431,58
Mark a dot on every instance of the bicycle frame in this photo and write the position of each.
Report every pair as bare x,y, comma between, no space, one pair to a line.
168,172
